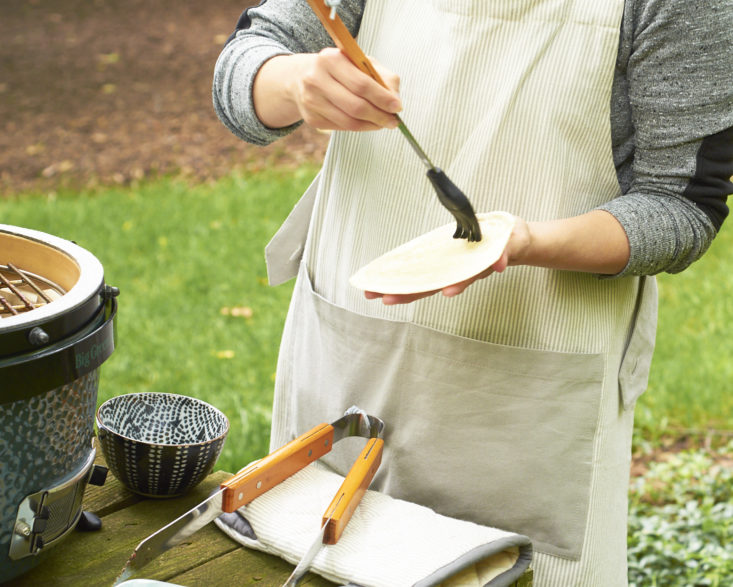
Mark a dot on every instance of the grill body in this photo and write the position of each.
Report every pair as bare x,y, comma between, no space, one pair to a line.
48,395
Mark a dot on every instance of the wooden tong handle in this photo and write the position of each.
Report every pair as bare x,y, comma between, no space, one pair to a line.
343,39
273,469
352,489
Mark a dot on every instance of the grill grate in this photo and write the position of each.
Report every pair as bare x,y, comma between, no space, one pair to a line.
22,291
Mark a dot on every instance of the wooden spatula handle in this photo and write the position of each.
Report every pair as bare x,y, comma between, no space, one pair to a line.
352,489
343,39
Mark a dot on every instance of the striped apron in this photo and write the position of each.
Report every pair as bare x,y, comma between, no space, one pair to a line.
510,405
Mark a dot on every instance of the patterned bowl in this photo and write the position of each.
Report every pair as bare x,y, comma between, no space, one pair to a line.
160,444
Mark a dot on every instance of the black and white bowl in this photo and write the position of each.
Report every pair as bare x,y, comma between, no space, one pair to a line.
160,444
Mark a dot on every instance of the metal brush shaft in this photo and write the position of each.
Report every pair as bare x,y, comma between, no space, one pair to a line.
413,143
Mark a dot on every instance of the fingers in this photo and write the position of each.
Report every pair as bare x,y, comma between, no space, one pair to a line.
384,101
518,241
458,288
333,94
448,291
394,299
388,77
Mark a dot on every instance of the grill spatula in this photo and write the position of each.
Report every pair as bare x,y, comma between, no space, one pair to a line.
452,198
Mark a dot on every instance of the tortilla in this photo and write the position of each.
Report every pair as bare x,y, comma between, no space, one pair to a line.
436,260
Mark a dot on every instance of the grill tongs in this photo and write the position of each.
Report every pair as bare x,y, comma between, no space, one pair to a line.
452,198
263,475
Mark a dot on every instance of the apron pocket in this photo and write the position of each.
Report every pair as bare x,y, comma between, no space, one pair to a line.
499,435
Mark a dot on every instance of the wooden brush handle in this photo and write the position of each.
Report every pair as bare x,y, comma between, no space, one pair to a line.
343,39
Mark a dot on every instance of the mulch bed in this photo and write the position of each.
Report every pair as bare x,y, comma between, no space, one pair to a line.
96,92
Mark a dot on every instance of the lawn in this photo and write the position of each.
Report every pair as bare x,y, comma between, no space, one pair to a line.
197,316
692,374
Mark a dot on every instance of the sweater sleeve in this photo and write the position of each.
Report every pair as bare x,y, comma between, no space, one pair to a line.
673,140
274,27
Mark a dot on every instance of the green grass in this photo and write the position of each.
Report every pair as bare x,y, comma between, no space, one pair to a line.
692,370
183,256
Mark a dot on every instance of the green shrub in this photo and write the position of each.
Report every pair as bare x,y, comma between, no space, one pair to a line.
680,522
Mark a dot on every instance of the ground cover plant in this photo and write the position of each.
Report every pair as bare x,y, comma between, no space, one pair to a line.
680,522
198,318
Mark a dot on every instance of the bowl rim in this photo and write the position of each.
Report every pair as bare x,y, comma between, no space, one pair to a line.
101,425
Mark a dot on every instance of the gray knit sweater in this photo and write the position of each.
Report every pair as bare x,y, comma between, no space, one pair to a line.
671,113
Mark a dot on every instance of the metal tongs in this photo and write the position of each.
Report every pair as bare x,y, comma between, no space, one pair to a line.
452,198
263,475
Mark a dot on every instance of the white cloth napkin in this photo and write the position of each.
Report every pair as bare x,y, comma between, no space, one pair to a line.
388,542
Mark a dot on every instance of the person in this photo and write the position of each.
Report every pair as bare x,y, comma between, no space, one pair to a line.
605,128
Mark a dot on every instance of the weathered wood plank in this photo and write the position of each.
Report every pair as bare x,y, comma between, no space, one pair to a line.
109,498
208,544
95,558
245,567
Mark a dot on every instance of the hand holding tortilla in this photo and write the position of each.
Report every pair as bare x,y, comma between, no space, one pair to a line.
436,260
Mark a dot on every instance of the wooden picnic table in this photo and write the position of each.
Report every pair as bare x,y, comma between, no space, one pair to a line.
208,559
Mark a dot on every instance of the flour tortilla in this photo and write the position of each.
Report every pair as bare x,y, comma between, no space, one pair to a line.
436,260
